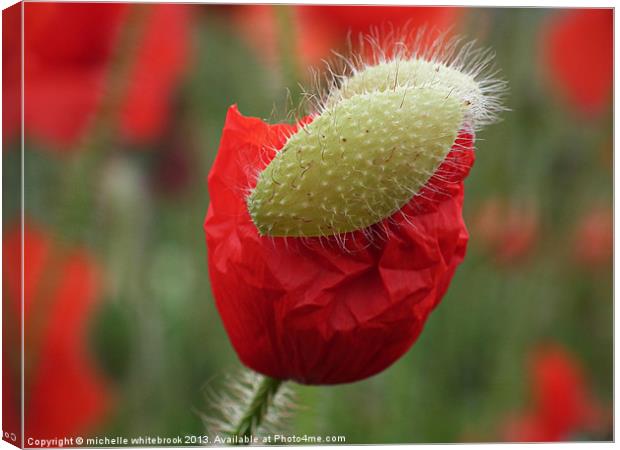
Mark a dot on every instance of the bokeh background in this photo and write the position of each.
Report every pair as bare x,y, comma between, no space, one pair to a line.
124,106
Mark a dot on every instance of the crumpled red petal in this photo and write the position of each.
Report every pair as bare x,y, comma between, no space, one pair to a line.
310,310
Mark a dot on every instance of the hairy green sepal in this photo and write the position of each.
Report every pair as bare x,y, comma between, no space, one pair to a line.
358,162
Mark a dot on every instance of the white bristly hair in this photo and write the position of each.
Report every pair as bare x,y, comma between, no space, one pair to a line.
448,75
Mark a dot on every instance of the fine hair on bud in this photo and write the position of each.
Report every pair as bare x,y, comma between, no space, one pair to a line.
230,398
383,121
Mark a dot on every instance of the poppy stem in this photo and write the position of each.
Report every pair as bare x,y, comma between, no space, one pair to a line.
97,142
253,417
287,41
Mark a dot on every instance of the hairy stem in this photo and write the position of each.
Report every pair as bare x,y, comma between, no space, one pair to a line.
258,407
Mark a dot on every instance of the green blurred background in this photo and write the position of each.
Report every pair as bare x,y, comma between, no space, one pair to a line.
538,268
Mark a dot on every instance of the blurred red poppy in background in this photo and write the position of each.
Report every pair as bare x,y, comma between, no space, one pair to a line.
577,53
160,60
85,59
508,231
320,29
563,406
174,167
64,393
309,310
593,238
11,73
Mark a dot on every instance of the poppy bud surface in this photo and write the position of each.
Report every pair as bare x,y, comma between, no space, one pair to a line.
330,241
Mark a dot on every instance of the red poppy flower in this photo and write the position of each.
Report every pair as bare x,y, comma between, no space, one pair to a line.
563,405
319,29
577,52
64,394
307,309
11,73
593,240
159,64
360,19
70,52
